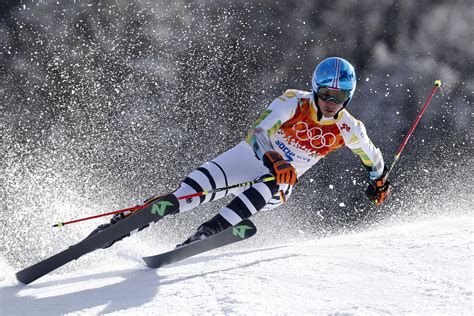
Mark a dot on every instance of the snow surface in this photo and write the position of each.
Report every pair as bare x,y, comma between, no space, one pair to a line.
425,267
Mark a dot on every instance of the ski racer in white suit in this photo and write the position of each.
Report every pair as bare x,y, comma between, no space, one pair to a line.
297,130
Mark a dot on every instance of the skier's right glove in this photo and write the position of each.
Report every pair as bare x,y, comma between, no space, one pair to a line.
283,171
379,189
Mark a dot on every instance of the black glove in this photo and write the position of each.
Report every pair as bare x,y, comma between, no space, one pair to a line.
283,171
379,189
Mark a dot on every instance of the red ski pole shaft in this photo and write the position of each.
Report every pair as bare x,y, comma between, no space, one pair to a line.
131,209
437,84
136,208
147,202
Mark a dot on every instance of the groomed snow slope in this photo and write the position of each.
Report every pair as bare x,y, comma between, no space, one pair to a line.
419,268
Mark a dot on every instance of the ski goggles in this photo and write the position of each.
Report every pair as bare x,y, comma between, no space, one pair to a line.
336,95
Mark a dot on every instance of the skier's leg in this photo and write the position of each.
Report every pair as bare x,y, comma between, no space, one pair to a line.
207,177
236,165
261,196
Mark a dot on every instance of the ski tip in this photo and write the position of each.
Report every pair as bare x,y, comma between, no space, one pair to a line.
21,279
58,225
438,83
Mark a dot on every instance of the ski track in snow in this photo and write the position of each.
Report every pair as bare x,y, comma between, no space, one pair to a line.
420,268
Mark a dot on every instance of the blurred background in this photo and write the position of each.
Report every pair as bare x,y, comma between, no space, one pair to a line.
105,103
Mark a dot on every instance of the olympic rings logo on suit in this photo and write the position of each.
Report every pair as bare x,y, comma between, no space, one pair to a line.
314,135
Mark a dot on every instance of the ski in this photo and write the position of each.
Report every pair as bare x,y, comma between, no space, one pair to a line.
245,229
155,211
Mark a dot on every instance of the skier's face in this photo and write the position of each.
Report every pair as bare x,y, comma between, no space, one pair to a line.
329,108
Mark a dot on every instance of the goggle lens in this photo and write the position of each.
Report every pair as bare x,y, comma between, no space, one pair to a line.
338,96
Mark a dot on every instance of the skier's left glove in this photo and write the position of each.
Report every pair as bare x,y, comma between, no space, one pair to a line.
283,171
379,189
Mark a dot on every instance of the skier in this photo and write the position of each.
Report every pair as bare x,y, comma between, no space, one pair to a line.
293,133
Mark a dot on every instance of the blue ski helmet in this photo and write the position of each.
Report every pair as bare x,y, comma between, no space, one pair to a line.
334,78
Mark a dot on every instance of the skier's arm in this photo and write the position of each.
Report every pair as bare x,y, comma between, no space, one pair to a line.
370,155
279,111
379,186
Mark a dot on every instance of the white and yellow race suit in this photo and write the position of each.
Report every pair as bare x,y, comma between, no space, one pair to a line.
290,126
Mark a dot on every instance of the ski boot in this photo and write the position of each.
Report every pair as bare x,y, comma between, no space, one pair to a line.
209,228
115,219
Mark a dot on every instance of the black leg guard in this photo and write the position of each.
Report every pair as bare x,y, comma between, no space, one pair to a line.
217,224
211,227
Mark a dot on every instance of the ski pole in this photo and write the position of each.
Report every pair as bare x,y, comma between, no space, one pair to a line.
131,209
243,184
147,202
437,84
136,208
